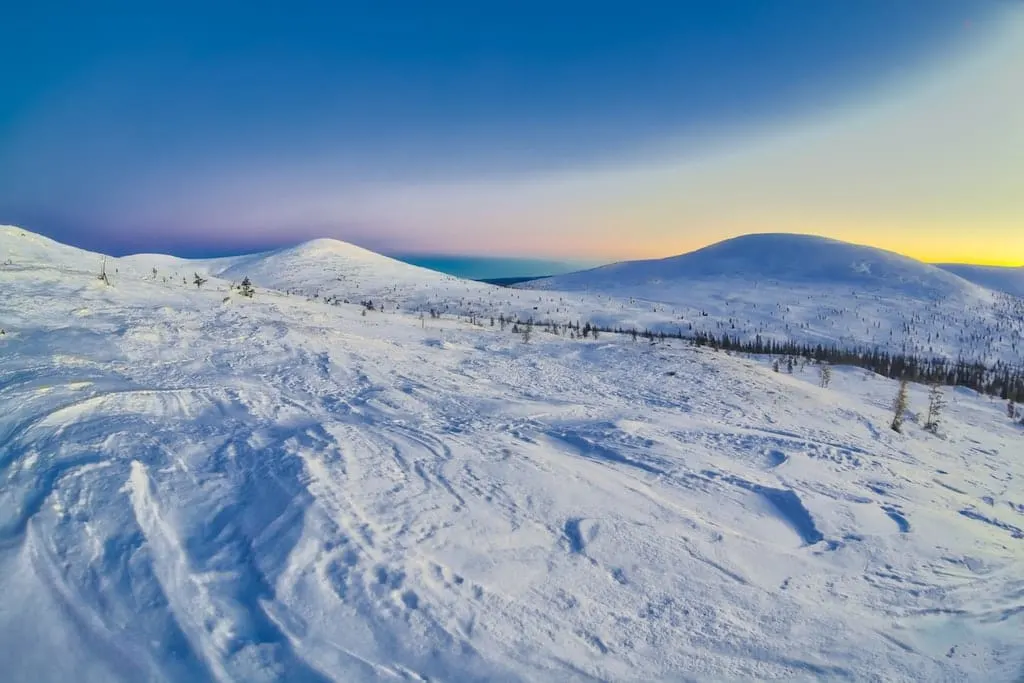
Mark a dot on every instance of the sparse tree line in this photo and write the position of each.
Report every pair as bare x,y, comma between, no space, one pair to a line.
245,288
1000,379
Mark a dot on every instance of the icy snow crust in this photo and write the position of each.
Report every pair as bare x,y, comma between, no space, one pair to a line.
198,486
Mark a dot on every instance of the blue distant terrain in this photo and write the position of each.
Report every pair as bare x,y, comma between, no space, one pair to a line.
493,268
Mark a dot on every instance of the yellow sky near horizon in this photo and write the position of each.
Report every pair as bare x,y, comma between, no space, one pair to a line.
930,165
932,168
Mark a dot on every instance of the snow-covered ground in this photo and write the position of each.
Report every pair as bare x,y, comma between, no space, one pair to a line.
998,278
200,486
782,287
816,290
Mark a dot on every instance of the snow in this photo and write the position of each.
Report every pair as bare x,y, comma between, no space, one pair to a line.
784,257
198,486
816,290
998,278
783,287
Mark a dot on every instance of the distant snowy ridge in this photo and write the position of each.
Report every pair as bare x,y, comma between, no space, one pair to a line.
998,278
780,287
816,290
775,257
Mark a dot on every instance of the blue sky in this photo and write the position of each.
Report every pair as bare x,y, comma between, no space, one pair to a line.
212,127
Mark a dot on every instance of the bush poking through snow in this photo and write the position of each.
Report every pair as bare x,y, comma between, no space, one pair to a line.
246,288
198,281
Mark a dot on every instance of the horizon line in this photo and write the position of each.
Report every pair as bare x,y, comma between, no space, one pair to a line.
585,261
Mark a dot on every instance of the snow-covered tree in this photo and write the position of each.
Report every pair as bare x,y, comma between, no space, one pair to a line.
936,402
825,373
246,288
899,407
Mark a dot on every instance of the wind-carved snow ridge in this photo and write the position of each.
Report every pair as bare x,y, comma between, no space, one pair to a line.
197,486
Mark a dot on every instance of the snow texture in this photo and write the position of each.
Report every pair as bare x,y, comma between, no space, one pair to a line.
200,486
998,278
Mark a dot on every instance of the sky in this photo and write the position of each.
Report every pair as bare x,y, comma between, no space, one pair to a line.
573,131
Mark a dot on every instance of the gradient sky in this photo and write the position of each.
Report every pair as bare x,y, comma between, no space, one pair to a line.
584,130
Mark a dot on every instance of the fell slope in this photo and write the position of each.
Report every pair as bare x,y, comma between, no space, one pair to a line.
202,487
778,258
999,279
816,290
330,266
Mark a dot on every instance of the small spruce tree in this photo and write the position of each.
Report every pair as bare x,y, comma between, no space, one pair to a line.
246,288
899,407
825,373
936,402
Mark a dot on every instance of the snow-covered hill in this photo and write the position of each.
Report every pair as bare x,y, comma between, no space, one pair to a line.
198,486
816,290
1000,279
327,265
785,287
781,258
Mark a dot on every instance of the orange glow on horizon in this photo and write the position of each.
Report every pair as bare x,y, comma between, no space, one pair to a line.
611,250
